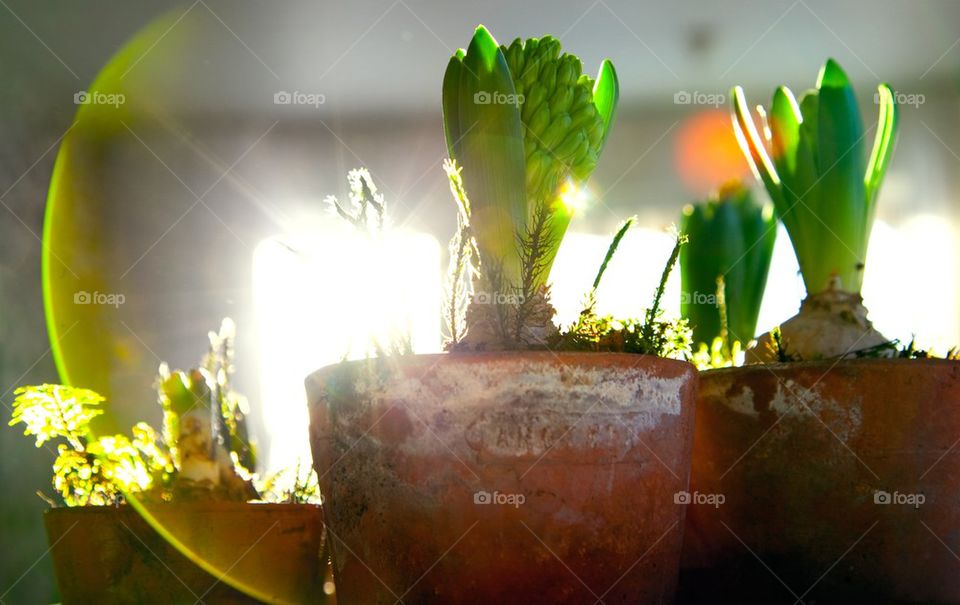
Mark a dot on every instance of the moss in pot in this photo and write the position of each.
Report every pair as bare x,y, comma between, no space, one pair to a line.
162,517
526,464
834,454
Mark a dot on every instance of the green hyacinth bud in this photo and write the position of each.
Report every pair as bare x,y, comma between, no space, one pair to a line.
563,127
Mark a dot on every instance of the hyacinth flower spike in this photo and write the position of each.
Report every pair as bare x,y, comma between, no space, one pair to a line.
525,128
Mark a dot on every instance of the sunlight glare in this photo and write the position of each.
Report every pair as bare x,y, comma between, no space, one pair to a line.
327,297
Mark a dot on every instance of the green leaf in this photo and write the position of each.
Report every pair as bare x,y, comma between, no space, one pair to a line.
827,189
807,169
612,249
730,236
802,195
51,411
451,100
753,146
784,123
486,139
699,269
882,144
842,203
759,228
606,93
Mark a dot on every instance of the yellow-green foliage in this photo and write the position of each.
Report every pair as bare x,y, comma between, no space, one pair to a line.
89,470
52,411
718,355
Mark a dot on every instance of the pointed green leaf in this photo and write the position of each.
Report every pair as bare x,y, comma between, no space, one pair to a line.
808,161
882,144
784,123
802,196
759,228
606,93
714,244
839,133
752,145
612,249
842,203
827,187
560,218
490,150
731,236
451,100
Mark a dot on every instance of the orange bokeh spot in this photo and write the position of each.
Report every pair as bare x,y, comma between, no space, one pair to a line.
707,153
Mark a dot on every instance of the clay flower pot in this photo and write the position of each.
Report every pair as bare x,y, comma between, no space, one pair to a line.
839,481
109,555
504,477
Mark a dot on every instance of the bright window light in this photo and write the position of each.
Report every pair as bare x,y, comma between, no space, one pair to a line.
785,290
909,289
629,282
330,296
910,286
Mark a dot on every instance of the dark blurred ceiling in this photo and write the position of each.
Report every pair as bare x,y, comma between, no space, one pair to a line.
231,55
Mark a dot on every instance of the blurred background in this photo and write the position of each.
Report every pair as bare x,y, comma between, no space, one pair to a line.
241,116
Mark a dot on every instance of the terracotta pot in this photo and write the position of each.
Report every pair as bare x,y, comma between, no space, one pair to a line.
840,483
504,477
108,555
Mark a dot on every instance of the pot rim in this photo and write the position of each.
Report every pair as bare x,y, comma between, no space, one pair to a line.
193,507
830,364
473,356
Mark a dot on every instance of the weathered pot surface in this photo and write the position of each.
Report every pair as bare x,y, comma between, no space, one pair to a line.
504,477
828,482
109,555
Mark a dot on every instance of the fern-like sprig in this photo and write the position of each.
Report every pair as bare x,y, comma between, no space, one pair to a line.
533,243
652,336
51,411
90,470
463,255
650,332
364,197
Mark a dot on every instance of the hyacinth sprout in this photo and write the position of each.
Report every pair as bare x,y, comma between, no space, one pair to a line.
814,163
524,127
724,266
